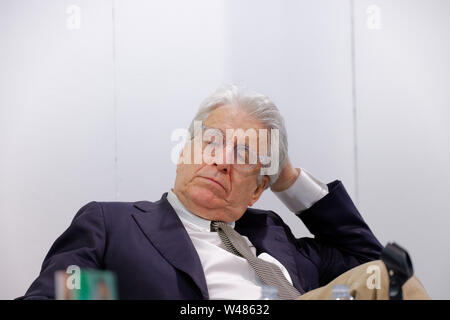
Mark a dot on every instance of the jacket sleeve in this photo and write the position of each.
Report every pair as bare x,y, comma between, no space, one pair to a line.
342,240
82,244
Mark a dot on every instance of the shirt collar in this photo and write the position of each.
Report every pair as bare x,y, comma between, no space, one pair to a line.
186,216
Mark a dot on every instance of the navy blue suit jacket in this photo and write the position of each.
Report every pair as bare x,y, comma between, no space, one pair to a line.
149,250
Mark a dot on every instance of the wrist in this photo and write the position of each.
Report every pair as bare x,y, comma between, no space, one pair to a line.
287,181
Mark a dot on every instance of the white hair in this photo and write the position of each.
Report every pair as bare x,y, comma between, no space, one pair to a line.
256,106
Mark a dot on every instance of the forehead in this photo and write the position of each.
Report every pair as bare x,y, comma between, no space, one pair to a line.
231,117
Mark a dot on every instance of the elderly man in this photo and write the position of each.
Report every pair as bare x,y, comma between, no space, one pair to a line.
201,240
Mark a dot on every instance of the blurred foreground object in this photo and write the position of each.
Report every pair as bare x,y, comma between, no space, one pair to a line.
400,269
341,292
76,284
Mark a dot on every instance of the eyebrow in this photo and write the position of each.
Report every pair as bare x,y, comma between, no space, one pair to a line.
205,127
224,136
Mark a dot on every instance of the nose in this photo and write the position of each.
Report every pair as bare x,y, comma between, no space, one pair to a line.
224,168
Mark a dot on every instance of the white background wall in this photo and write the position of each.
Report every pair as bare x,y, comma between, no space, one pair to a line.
87,113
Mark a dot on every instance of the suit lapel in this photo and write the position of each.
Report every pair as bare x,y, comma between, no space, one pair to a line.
273,240
163,228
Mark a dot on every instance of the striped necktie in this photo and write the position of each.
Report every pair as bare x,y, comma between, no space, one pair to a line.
268,272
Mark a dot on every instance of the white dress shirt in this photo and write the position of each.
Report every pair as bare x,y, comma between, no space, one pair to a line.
229,276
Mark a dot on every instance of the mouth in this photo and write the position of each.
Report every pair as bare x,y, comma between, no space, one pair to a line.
215,182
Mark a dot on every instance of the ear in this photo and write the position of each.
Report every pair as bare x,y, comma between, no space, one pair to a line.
259,190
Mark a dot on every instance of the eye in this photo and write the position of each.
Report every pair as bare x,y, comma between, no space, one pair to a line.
212,143
242,153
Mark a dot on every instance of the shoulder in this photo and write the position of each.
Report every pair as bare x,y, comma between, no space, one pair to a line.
253,216
116,210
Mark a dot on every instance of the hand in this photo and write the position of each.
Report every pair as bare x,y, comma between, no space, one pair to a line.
287,177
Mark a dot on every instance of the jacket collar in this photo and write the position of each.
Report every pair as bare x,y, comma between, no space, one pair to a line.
163,228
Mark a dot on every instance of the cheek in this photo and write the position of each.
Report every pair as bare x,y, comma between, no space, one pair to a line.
186,172
243,190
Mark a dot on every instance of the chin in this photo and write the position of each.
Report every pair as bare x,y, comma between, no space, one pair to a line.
205,198
211,205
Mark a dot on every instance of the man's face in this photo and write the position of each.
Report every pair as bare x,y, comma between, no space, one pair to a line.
218,190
